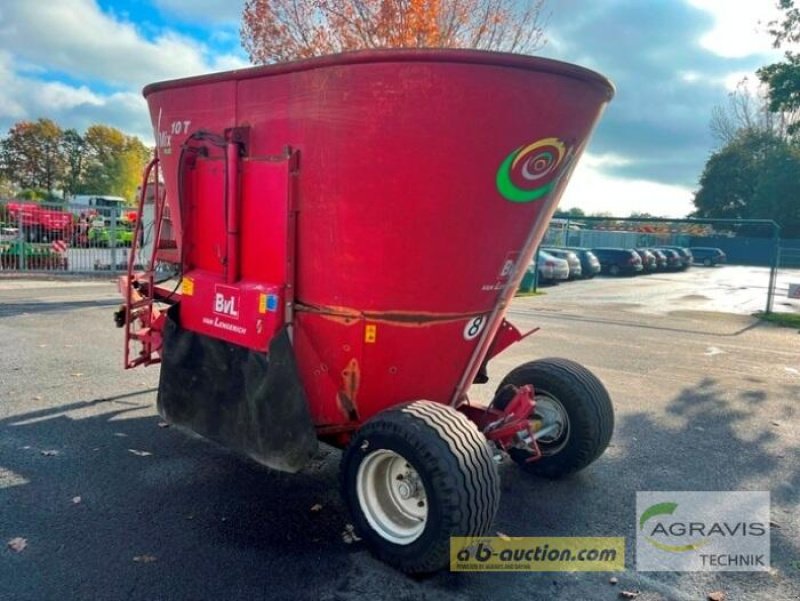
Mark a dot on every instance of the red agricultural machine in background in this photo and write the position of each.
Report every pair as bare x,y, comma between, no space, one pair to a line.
39,223
346,234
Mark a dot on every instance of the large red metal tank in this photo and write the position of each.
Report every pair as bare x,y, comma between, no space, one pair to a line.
422,174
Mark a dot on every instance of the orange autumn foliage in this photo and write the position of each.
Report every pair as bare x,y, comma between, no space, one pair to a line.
280,30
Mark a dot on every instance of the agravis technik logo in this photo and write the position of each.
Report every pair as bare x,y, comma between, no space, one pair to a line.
667,508
702,531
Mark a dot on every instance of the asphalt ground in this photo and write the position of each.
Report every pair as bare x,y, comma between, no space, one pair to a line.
729,289
703,400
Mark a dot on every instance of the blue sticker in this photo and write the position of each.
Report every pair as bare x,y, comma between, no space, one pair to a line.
272,302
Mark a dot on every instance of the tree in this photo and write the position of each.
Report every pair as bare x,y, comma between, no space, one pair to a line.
131,162
7,188
103,147
573,213
31,156
280,30
38,158
74,149
20,156
113,162
747,110
783,79
752,177
53,164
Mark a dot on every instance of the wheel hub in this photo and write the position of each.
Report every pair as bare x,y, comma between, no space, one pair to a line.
392,497
551,423
408,486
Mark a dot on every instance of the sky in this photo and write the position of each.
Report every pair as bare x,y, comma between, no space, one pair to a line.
672,61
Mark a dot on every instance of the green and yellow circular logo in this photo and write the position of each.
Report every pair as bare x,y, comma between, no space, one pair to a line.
531,172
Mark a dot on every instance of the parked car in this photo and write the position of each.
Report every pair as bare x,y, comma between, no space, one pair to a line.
649,263
590,266
661,259
707,255
674,259
618,261
551,269
575,268
684,253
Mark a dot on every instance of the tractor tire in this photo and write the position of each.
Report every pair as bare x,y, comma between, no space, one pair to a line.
415,475
571,399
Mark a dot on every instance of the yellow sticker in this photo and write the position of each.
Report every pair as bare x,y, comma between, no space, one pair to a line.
187,287
370,332
262,303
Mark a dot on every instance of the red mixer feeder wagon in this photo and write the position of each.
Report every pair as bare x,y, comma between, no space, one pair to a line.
346,234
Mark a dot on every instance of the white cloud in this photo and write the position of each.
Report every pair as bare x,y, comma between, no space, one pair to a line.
42,41
60,96
77,38
11,107
691,76
593,191
733,81
740,28
598,161
25,97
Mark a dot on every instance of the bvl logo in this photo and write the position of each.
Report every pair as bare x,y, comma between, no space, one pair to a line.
226,301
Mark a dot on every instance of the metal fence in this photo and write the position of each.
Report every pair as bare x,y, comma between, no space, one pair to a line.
71,238
82,240
786,290
746,242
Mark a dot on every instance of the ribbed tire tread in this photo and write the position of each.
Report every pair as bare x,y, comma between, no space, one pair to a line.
456,466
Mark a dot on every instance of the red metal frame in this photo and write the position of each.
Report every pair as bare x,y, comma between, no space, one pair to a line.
510,427
143,320
232,150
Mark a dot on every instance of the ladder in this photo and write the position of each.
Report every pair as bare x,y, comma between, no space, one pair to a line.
140,316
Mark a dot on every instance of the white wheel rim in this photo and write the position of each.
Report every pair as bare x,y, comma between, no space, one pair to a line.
554,420
392,497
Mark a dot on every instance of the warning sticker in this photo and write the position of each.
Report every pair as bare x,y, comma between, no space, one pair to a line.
267,302
187,287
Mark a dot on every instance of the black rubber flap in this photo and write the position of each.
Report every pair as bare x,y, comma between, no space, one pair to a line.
245,400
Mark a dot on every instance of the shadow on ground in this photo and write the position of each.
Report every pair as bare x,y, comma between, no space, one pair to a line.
220,527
